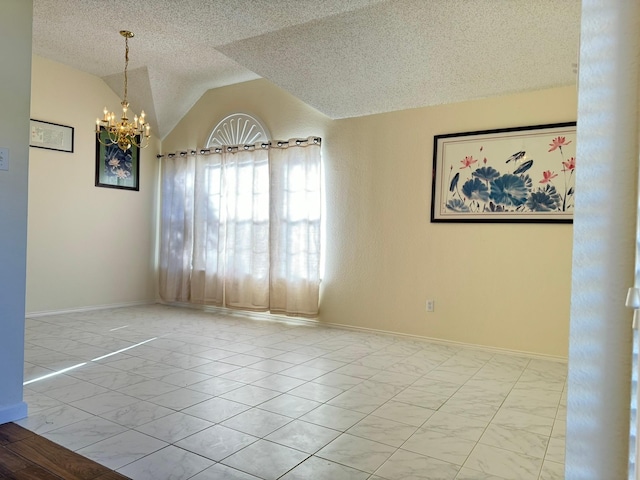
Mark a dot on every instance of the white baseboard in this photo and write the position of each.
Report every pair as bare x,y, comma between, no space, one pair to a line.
486,348
308,321
47,313
12,413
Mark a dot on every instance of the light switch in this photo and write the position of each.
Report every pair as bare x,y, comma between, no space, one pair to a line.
4,158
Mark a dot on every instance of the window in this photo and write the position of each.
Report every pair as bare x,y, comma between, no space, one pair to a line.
255,222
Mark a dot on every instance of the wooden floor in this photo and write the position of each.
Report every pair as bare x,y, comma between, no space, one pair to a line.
25,455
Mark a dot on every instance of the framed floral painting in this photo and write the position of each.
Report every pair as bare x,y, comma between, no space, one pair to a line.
117,168
524,174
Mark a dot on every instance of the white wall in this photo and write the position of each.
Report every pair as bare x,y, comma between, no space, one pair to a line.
15,52
87,246
499,285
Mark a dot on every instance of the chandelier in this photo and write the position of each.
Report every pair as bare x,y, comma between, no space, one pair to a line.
123,132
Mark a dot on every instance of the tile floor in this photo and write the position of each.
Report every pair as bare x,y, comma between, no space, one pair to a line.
157,392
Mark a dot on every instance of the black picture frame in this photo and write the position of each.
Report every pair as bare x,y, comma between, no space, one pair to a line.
51,136
116,168
520,174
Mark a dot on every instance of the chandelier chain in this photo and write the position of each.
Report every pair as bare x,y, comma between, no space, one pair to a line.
126,65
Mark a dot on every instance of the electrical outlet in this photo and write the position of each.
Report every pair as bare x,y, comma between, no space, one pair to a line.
430,305
4,158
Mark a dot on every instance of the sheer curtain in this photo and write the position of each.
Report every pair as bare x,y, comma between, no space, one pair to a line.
241,228
176,236
295,229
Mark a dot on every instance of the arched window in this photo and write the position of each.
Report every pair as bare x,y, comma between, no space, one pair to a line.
238,129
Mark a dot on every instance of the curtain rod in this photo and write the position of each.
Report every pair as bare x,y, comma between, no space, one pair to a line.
235,148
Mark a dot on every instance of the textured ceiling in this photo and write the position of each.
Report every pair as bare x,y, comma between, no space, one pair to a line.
345,58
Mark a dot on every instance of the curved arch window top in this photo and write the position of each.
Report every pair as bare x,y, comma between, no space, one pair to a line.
238,129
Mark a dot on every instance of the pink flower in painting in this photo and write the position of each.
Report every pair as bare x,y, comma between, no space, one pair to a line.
114,162
467,162
547,176
558,142
569,164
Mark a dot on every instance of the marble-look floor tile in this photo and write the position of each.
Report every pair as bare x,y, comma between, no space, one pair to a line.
216,368
324,364
404,465
289,405
382,430
271,366
442,446
504,463
122,449
552,471
358,402
540,402
241,359
250,395
316,391
217,442
403,413
356,452
384,391
456,425
522,421
50,383
216,410
180,399
38,402
439,387
338,380
279,383
184,378
303,436
216,386
468,474
137,414
265,459
245,375
397,379
147,389
83,433
303,372
473,410
556,450
360,371
520,441
421,398
104,402
256,422
222,472
174,427
53,418
321,469
170,463
333,417
77,391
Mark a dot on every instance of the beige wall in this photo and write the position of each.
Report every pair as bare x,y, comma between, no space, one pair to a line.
87,246
499,285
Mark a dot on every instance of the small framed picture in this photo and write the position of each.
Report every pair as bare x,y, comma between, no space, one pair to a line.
116,168
50,136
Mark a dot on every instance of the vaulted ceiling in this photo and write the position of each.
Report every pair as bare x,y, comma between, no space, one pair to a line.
345,58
